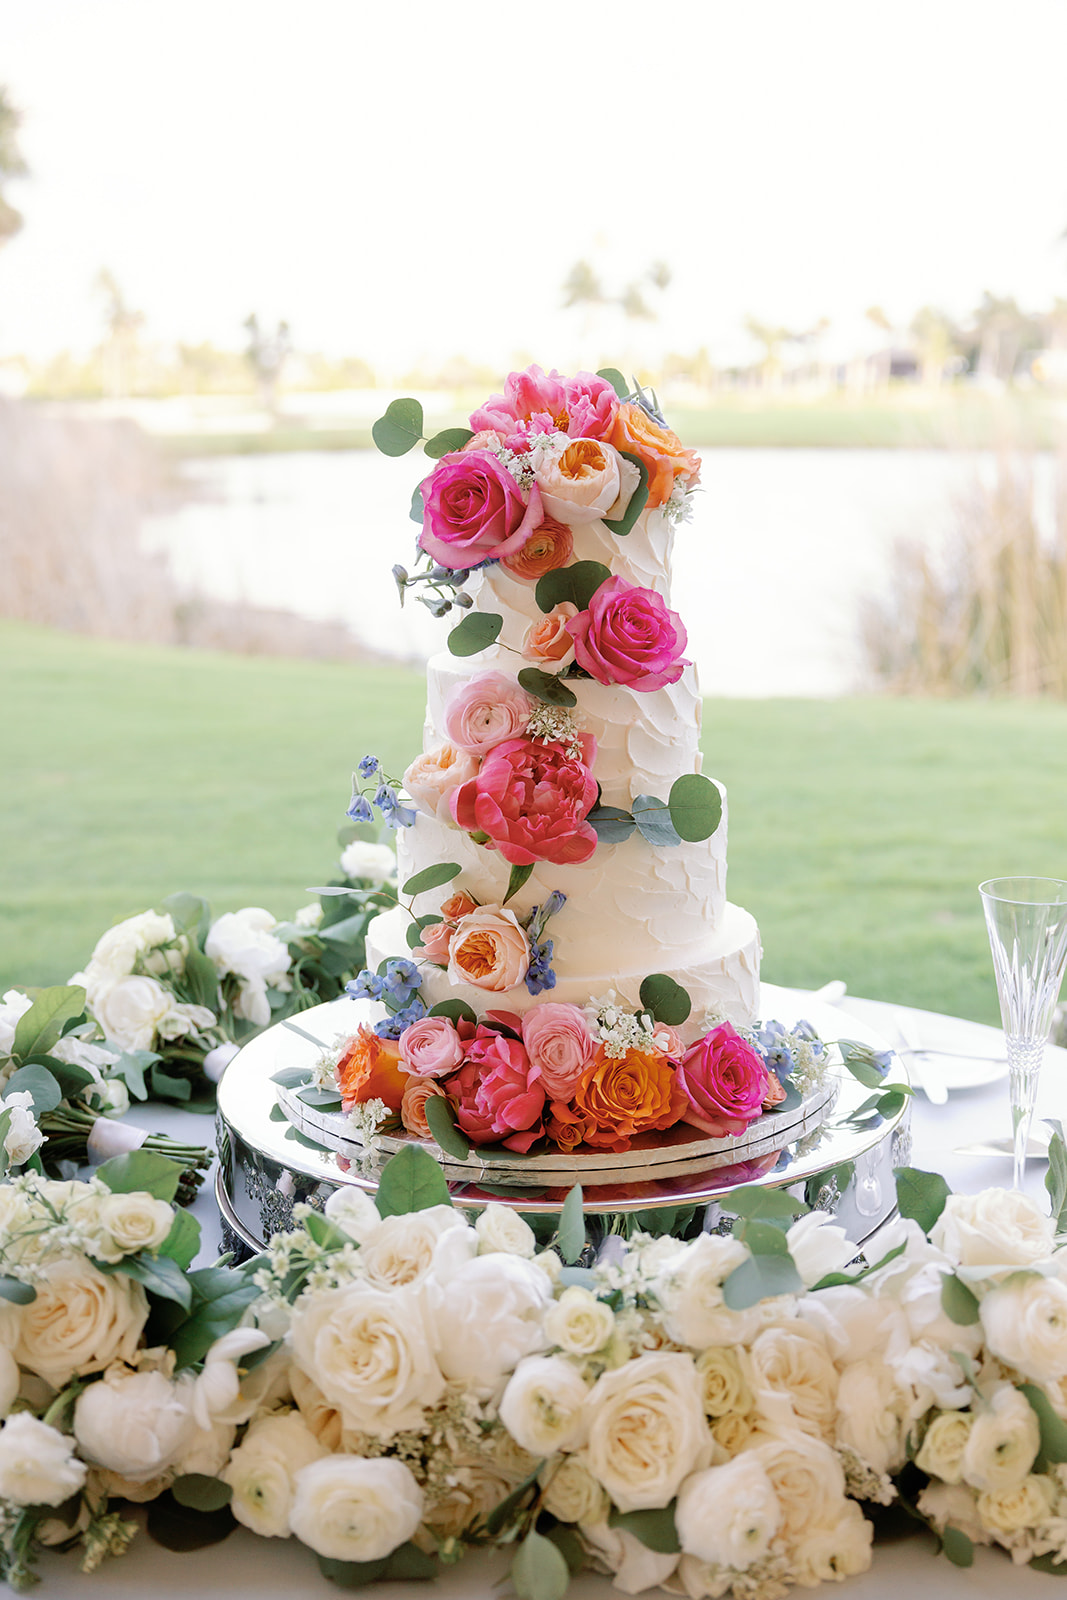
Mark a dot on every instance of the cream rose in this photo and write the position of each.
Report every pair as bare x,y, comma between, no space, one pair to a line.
476,1486
488,950
841,1550
135,1423
242,943
587,480
728,1515
732,1431
38,1466
689,1288
130,1222
488,1316
807,1479
1025,1324
579,1323
723,1382
941,1452
134,1010
794,1378
80,1322
648,1430
1003,1442
1027,1504
548,639
500,1229
207,1451
818,1246
431,778
998,1227
872,1414
371,1354
572,1493
262,1472
349,1509
633,1566
368,862
406,1249
544,1405
354,1212
324,1420
953,1502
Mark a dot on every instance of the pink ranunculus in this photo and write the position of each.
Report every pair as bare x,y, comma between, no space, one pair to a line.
431,1048
529,394
498,1092
532,799
558,1040
474,511
628,636
725,1082
434,946
484,712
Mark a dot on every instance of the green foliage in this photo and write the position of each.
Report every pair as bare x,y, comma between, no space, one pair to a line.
653,819
577,583
141,1171
403,1565
477,631
70,1079
958,1302
857,1058
320,1099
665,999
417,513
39,1084
414,929
613,376
289,1077
411,1181
770,1270
921,1195
655,1528
547,687
183,1240
432,877
1053,1427
612,824
441,1120
400,429
19,1293
160,1275
458,1010
539,1569
516,878
637,501
758,1204
39,1028
958,1547
1056,1176
179,1527
198,1492
448,439
190,914
570,1235
695,806
220,1298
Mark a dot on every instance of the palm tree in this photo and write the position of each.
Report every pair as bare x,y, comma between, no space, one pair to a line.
123,325
267,353
12,164
772,338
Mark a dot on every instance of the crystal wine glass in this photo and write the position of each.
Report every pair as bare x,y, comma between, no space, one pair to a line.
1027,923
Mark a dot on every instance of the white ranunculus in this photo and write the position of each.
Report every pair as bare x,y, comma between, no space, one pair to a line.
579,1323
794,1378
354,1212
633,1566
135,1423
499,1228
807,1478
572,1493
841,1549
350,1509
38,1466
134,1010
903,1234
487,1316
80,1322
872,1414
119,949
1003,1442
941,1452
370,863
648,1431
242,943
1025,1324
544,1405
723,1380
408,1248
998,1227
130,1222
371,1352
953,1503
262,1472
689,1288
854,1323
15,1004
818,1246
10,1379
729,1514
217,1394
23,1136
932,1374
1025,1505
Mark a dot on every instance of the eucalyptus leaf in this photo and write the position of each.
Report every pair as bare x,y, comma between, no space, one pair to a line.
441,1121
539,1570
958,1303
289,1077
432,877
759,1278
1053,1427
417,513
613,376
695,805
413,932
17,1292
655,1528
39,1084
578,1278
324,1232
636,503
201,979
320,1099
39,1028
753,1202
411,1181
477,631
141,1171
400,429
612,824
447,440
160,1275
71,1079
165,1086
654,820
183,1240
200,1492
190,913
517,878
856,1057
665,999
1056,1176
178,1527
921,1195
763,1237
457,1010
577,583
547,687
958,1547
570,1235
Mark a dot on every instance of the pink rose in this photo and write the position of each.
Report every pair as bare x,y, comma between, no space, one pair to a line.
488,949
725,1083
667,1041
557,1039
484,712
497,1092
431,778
436,938
584,407
548,640
431,1048
628,636
474,511
532,799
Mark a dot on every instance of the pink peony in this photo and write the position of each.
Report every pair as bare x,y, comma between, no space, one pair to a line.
431,1048
592,406
497,1092
484,712
474,511
584,407
725,1083
628,636
557,1038
532,799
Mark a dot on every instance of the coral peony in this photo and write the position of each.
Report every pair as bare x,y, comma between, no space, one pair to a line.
584,406
532,799
497,1092
474,511
621,1096
627,635
724,1082
549,546
662,452
369,1069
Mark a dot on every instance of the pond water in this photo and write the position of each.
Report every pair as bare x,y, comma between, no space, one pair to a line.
769,576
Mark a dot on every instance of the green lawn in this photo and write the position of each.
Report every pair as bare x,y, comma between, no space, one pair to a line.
859,829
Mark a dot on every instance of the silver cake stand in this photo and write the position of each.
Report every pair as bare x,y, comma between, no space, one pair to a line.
275,1151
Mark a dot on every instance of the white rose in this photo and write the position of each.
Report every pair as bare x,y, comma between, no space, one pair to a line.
80,1322
23,1136
324,1420
724,1384
135,1009
373,863
408,1248
941,1452
217,1393
1026,1505
262,1472
932,1375
135,1423
818,1246
1025,1324
634,1567
1003,1442
871,1414
728,1515
579,1323
241,943
794,1378
309,916
487,1317
998,1227
38,1466
501,1229
572,1493
689,1289
14,1006
354,1212
732,1431
544,1405
548,1262
10,1379
119,949
648,1430
807,1478
130,1222
349,1509
954,1503
371,1354
840,1550
920,1300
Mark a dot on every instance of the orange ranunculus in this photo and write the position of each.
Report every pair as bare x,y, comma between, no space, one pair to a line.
626,1095
565,1127
458,905
413,1106
369,1069
662,452
549,546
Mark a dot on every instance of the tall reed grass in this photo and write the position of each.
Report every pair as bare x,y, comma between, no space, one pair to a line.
987,614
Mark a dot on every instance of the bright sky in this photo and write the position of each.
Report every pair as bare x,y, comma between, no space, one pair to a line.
416,178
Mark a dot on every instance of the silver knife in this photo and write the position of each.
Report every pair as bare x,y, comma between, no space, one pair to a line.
927,1076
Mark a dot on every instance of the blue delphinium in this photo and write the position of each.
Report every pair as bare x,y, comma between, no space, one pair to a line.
401,980
388,802
539,974
368,766
359,809
365,986
392,1027
773,1044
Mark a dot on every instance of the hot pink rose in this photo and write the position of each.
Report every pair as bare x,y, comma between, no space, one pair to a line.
628,636
474,511
484,712
725,1083
498,1093
584,407
431,1048
557,1039
532,799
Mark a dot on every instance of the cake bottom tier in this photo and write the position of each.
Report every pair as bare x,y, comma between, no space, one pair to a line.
722,974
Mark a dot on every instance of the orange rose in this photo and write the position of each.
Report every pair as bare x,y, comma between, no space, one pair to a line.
627,1095
548,547
565,1127
457,905
413,1106
369,1069
662,452
548,640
